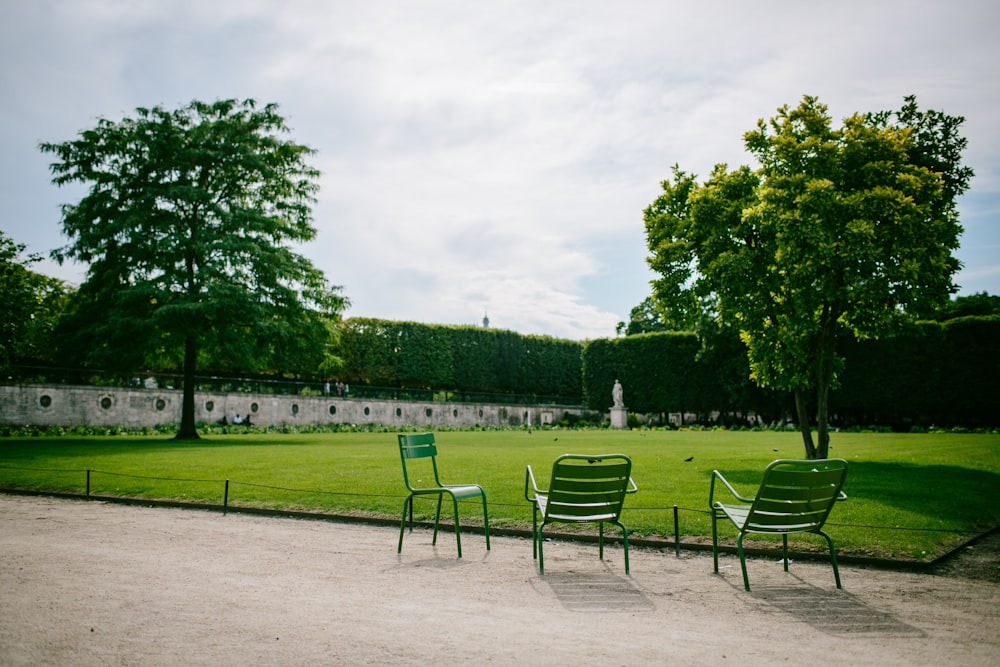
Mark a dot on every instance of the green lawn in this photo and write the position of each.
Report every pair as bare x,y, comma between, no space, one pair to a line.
911,496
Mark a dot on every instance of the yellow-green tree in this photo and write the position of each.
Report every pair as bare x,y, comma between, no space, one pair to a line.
840,231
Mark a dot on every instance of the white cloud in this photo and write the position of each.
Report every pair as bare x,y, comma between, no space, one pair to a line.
490,156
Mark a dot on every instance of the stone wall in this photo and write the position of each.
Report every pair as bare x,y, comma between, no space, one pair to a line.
63,405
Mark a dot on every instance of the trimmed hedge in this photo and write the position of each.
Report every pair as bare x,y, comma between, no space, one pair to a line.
929,373
659,372
459,358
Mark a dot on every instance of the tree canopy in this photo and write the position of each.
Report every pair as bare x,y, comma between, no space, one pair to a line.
644,318
840,231
981,304
30,305
188,228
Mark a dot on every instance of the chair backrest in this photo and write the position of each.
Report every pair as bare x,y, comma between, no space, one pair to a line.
588,488
796,495
418,446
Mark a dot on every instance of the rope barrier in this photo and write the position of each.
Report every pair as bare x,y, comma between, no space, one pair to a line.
331,493
44,469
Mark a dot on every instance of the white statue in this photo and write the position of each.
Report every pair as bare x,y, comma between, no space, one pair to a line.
616,395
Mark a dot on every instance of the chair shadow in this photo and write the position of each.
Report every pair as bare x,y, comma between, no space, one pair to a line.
835,612
435,562
600,592
440,558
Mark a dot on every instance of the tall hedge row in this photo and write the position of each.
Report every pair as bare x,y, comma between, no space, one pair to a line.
659,372
459,358
930,373
945,373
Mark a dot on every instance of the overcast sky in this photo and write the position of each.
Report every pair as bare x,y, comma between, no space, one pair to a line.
494,157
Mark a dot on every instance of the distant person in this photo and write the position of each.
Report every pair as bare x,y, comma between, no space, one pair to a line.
238,419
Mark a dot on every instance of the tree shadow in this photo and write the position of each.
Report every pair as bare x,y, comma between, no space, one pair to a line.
942,493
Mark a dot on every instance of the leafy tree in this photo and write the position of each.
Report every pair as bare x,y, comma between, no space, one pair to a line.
974,305
30,305
644,318
840,232
187,227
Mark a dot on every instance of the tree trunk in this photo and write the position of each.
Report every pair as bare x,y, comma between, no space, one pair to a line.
822,421
188,430
824,378
803,415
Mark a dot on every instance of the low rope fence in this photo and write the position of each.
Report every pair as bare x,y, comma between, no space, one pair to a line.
228,485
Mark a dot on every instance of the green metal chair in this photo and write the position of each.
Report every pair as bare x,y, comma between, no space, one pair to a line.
413,449
795,496
583,489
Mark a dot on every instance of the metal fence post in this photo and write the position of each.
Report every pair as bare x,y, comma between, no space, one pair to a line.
677,535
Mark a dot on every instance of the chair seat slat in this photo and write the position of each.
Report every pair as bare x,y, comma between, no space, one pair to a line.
804,477
772,492
792,506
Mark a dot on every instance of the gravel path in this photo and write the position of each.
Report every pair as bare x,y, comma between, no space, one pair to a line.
92,583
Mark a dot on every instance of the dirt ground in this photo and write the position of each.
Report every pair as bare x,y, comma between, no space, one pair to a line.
92,583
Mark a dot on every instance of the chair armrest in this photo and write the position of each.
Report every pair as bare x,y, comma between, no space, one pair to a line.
841,496
632,487
529,478
711,492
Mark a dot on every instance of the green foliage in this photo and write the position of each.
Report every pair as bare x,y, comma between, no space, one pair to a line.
30,306
975,305
913,378
927,374
909,494
187,227
893,377
971,369
644,318
660,372
458,358
923,375
675,372
841,232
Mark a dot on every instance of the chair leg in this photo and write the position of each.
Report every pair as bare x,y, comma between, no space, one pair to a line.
743,561
715,544
541,554
784,550
458,529
437,519
486,522
600,539
625,541
402,523
534,532
833,558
